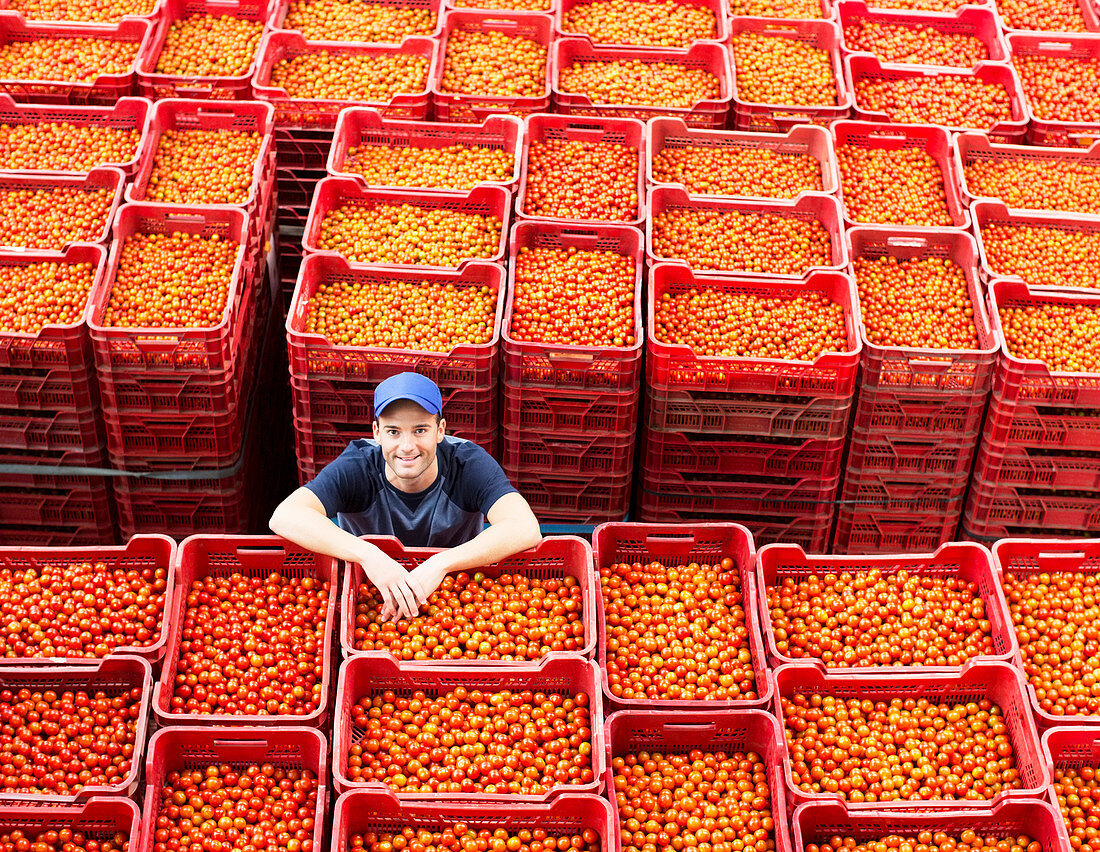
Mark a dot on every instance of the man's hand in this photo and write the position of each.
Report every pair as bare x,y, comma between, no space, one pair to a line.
393,582
426,577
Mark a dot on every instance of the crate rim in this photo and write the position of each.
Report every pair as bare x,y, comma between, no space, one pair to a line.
73,180
23,258
719,7
69,29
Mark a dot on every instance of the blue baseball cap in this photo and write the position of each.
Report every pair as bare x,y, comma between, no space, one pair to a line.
411,386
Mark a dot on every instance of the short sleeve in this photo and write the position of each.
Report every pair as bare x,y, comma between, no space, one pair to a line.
345,484
481,481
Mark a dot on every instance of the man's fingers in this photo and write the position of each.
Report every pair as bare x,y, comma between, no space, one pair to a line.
406,594
389,603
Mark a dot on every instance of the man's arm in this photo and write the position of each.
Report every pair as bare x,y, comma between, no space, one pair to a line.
301,518
512,527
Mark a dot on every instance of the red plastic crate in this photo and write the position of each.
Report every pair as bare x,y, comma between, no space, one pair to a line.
994,504
52,431
676,544
823,209
202,556
471,108
967,562
1029,556
866,530
974,147
910,455
810,531
181,115
859,67
740,495
789,458
1032,381
98,818
334,193
1088,10
146,551
718,8
571,499
113,676
1030,467
105,90
102,177
933,140
312,356
558,367
771,118
672,367
166,349
562,673
570,455
804,140
312,114
126,113
816,822
562,128
568,412
280,8
300,148
1019,425
726,731
54,391
904,495
190,749
990,534
353,403
154,85
915,415
72,500
909,368
366,127
975,22
998,682
295,187
1079,46
714,58
554,556
747,415
361,811
66,536
1069,747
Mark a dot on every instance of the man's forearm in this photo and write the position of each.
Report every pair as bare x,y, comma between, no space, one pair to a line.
317,533
493,544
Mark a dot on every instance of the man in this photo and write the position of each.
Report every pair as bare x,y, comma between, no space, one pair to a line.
417,483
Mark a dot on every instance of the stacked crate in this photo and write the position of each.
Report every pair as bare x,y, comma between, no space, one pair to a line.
178,403
50,395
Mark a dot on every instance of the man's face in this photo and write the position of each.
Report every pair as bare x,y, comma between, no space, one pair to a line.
409,436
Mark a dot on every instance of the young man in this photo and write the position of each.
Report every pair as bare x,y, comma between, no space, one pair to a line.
415,482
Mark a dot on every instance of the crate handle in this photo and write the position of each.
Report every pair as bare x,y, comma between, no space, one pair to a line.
1047,554
570,359
687,539
1055,45
933,364
253,556
883,134
156,346
907,242
673,727
188,218
240,745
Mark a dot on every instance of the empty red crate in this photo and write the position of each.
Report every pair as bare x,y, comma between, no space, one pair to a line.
1030,467
667,134
910,368
863,529
1033,381
570,455
113,676
126,113
810,531
52,431
546,411
99,818
54,391
969,21
167,349
861,67
562,128
973,148
311,114
747,415
470,108
817,822
1034,556
155,85
316,399
968,563
996,682
280,9
553,557
140,552
673,366
173,115
876,492
791,458
917,415
363,676
717,8
712,58
312,356
300,148
68,500
104,90
100,178
721,731
933,140
770,118
741,495
333,194
910,455
358,128
194,749
60,536
823,209
675,545
202,556
1081,47
1019,424
993,504
571,499
295,187
553,366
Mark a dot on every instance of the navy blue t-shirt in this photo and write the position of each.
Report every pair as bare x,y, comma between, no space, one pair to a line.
353,488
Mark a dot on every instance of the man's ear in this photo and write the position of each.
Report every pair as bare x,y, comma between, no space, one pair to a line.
374,429
442,431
